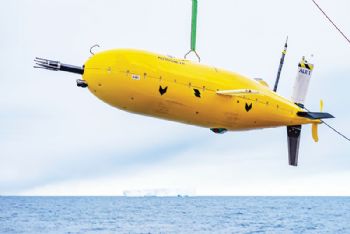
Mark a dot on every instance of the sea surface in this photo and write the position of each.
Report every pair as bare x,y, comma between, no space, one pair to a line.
174,214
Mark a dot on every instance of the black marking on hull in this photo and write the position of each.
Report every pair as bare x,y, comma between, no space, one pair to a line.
248,107
197,93
162,91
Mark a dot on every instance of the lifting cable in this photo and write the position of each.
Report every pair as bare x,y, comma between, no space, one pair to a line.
329,19
329,126
194,30
335,130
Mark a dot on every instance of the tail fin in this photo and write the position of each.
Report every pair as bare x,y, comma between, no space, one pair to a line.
315,115
293,136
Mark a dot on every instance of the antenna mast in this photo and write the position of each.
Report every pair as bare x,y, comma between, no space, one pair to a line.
284,52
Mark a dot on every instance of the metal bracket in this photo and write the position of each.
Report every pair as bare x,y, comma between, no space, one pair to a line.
199,58
96,45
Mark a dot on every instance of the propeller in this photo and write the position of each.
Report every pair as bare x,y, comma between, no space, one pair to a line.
315,125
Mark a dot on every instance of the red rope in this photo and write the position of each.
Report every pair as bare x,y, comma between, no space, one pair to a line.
324,13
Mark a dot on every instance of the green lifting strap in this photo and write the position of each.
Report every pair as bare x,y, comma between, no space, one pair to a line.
194,24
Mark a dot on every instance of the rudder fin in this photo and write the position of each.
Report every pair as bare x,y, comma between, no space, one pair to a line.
293,136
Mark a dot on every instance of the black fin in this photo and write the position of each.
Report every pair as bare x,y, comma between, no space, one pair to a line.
315,115
293,133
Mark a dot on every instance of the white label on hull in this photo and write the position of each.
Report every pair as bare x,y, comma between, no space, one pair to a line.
135,77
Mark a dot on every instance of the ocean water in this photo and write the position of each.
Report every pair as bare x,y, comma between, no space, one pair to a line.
174,214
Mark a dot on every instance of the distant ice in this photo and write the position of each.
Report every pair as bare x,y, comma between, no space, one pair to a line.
161,192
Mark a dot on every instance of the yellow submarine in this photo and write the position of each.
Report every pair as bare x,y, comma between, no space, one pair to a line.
189,92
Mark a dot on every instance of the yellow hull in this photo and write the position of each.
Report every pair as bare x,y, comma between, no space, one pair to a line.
184,91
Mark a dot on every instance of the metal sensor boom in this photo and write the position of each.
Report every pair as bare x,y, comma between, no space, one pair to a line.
57,66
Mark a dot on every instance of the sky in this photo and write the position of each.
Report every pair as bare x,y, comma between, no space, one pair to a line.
58,139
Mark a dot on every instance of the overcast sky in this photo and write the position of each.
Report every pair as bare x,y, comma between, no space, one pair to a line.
58,139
